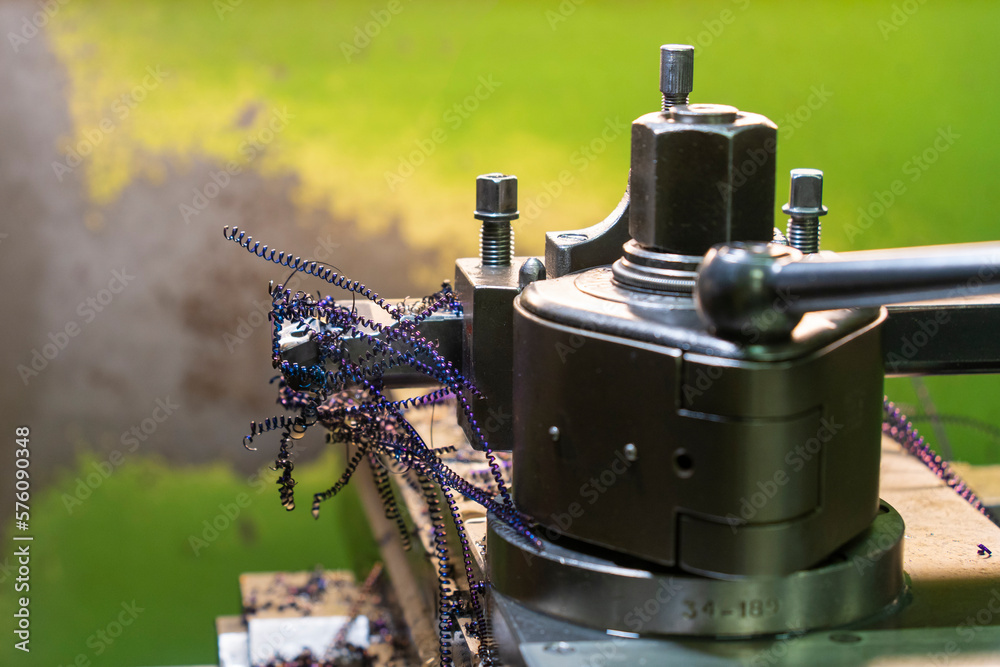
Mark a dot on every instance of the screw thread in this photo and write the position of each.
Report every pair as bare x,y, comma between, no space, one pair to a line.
674,100
496,243
804,234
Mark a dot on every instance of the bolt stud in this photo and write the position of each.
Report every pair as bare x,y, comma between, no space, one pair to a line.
676,73
496,206
804,207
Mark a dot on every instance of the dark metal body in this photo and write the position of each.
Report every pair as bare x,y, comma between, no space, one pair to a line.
750,460
943,337
602,592
487,294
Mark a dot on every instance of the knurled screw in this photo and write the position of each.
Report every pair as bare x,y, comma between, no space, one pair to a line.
496,206
676,73
805,205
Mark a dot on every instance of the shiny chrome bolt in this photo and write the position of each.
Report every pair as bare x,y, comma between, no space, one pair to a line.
496,206
805,205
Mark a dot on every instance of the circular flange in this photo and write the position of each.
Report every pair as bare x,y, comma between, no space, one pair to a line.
706,114
862,580
648,270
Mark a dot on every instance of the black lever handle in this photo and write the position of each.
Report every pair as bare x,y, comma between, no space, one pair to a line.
759,291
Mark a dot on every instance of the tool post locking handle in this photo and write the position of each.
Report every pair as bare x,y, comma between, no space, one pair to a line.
761,291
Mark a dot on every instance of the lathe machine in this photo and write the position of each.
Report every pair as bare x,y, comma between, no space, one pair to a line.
703,466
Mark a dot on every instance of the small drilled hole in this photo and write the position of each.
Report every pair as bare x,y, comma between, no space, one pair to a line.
683,463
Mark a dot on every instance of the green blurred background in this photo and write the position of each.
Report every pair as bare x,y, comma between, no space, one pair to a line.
859,89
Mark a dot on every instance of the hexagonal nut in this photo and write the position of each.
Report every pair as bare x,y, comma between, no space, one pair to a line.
695,184
496,197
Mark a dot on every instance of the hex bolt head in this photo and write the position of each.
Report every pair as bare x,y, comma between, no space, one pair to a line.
496,197
676,73
805,196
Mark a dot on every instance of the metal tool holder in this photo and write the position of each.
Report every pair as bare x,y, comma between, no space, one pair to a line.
695,410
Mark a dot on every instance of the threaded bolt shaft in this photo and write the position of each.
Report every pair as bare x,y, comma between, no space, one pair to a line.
673,100
804,235
496,243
